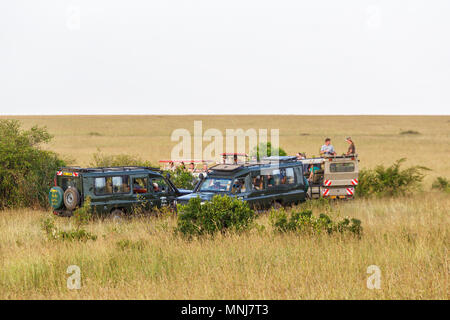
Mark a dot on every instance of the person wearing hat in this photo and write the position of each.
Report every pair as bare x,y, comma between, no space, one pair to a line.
351,147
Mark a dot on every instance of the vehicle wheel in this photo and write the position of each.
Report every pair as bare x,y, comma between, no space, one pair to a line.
117,214
71,198
276,205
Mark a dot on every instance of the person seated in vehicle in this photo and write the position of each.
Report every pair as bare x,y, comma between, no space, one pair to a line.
138,188
171,166
312,169
237,186
156,187
283,176
182,166
301,156
257,183
270,181
351,147
327,149
191,167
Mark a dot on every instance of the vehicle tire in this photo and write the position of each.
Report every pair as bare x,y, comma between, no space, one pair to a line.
71,198
117,214
276,205
55,197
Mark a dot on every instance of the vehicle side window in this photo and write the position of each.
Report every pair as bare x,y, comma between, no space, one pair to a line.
140,185
258,182
109,185
342,167
159,185
100,186
67,182
121,184
298,172
103,185
290,177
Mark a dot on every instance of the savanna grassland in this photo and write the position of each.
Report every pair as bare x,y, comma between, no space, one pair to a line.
407,237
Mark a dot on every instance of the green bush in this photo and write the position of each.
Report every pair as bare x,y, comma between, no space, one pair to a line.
100,159
269,150
26,171
182,178
441,183
125,244
221,214
304,222
390,181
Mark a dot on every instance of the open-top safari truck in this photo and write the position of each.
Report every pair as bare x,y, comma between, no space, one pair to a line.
332,177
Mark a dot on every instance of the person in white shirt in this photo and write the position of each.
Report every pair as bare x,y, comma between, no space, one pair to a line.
327,149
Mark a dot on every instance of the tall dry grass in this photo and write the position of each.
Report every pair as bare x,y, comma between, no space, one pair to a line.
141,258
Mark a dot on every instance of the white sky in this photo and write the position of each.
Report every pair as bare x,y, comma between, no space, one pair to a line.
230,56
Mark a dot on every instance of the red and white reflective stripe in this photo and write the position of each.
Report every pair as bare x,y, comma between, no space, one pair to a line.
325,192
350,191
327,183
75,174
59,173
354,182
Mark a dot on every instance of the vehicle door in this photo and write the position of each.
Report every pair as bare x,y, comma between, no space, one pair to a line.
111,192
144,199
259,195
163,193
341,176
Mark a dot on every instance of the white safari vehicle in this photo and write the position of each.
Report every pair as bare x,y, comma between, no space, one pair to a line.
332,177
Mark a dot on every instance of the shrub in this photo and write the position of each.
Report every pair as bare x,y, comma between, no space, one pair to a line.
390,181
182,178
102,160
221,214
94,134
125,244
304,222
82,215
441,183
269,150
410,132
26,171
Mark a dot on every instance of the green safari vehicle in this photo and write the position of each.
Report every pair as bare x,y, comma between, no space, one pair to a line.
112,190
275,180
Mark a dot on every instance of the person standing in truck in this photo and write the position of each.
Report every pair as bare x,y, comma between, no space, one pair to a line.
351,147
327,149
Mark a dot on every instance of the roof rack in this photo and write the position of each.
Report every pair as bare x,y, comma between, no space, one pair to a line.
105,169
279,158
226,167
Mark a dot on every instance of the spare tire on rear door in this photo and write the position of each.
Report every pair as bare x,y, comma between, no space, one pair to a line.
55,197
71,198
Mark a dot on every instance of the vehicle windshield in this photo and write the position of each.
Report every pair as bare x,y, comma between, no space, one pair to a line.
215,185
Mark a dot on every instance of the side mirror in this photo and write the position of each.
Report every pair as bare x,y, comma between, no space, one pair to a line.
201,176
168,175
